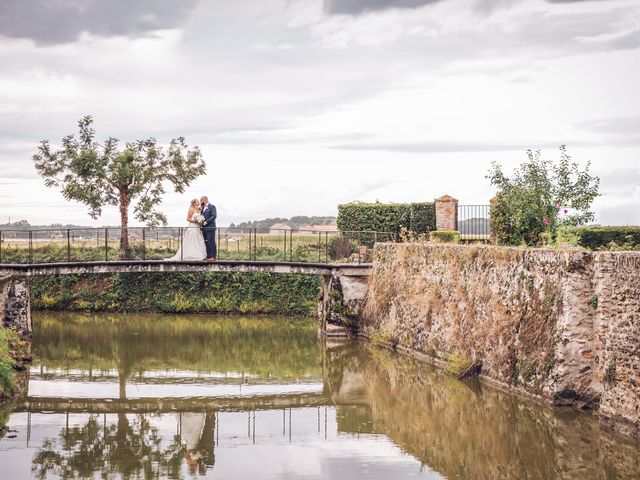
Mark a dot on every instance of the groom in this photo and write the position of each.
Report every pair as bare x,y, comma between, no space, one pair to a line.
209,213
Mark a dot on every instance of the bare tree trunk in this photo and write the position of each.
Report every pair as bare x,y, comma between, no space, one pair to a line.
124,222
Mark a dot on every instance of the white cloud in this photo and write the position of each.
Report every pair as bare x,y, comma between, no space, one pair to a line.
298,109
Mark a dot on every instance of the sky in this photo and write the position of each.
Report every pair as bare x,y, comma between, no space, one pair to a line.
299,105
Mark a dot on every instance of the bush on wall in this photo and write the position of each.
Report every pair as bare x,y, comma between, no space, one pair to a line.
387,217
540,196
444,236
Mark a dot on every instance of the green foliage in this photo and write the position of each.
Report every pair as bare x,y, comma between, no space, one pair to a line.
605,238
103,174
217,292
6,364
567,236
444,236
12,349
531,205
382,217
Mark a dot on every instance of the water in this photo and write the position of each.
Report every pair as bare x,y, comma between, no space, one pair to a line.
131,396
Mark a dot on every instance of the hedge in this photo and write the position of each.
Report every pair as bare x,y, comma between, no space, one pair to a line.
383,217
607,238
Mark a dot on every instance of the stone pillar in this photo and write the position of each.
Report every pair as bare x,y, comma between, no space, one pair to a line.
446,213
15,304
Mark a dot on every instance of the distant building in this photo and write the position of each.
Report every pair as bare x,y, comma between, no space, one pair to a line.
318,228
278,228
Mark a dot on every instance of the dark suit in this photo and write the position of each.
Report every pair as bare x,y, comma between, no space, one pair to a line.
210,213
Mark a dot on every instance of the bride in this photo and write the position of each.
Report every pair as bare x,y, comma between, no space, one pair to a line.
193,247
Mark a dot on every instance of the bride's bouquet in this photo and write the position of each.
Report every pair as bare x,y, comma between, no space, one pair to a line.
197,217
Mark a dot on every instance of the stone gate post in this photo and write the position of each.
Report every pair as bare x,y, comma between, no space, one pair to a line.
446,213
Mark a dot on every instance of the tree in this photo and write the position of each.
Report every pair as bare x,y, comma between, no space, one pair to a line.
98,175
540,196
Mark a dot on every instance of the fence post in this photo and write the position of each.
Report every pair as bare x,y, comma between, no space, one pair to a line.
493,238
144,244
106,244
218,246
68,245
326,247
181,249
30,247
0,246
255,244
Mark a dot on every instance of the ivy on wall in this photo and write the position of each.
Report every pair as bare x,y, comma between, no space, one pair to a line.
215,292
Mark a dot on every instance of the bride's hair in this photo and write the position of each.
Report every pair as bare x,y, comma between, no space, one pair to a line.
195,202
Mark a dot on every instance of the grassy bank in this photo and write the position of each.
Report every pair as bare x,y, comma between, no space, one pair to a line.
13,351
215,292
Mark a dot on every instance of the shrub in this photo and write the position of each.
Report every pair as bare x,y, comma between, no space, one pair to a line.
607,238
444,236
384,217
340,248
539,197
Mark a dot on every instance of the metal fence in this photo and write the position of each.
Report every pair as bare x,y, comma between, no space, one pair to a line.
474,222
56,245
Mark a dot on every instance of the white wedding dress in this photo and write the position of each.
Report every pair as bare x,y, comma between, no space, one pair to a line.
193,247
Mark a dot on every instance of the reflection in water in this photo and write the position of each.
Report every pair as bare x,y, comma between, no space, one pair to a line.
130,447
186,396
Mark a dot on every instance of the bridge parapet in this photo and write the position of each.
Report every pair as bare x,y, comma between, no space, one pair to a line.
158,266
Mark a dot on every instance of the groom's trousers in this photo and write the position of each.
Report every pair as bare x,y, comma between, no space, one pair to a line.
209,234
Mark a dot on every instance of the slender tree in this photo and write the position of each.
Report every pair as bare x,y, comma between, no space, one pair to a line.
136,175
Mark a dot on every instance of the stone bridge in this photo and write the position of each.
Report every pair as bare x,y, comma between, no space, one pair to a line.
341,298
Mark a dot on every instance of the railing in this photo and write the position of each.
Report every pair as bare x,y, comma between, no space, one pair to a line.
56,245
474,222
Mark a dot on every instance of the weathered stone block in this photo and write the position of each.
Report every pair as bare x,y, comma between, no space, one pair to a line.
15,304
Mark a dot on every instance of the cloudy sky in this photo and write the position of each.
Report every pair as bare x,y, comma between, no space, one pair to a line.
299,105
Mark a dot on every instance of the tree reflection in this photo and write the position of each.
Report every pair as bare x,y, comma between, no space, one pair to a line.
130,448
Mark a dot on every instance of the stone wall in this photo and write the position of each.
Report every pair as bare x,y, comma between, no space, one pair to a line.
15,305
561,325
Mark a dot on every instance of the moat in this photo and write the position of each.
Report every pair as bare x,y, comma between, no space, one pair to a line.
148,396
